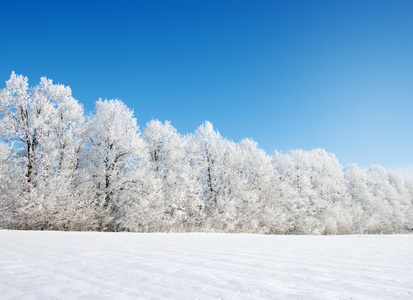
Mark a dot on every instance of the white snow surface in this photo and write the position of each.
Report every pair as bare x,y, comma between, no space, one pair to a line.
94,265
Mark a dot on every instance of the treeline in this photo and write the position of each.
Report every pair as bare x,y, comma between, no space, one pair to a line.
62,170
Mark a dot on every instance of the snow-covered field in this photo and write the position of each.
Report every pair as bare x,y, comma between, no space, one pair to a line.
91,265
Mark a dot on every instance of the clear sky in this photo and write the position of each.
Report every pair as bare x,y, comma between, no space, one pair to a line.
289,74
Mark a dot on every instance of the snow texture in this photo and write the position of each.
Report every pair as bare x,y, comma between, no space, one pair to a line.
92,265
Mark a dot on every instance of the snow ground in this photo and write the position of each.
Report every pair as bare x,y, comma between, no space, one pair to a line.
91,265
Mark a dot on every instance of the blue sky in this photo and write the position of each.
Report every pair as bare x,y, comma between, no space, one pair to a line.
289,74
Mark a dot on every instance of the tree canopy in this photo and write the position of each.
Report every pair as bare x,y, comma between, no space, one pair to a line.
63,170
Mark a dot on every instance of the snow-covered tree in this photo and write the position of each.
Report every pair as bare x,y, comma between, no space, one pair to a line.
318,188
356,182
113,153
179,191
381,199
61,172
26,117
215,156
387,203
262,208
401,201
44,125
7,206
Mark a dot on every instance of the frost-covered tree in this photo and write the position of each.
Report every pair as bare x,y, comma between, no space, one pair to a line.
387,203
69,198
163,146
356,182
7,206
381,199
262,209
318,202
44,124
113,154
215,158
179,191
26,117
61,172
401,187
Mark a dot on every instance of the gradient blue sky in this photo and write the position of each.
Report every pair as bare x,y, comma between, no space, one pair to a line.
289,74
